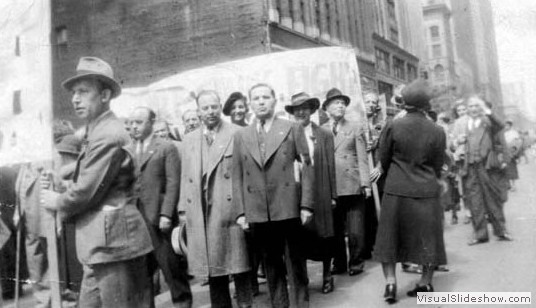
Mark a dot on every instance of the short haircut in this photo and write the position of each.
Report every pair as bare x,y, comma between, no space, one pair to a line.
150,112
207,92
260,85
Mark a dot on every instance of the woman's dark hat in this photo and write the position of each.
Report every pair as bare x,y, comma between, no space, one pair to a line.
334,94
95,68
230,101
301,99
417,94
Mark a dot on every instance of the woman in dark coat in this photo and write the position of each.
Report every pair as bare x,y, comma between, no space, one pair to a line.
236,108
410,227
318,243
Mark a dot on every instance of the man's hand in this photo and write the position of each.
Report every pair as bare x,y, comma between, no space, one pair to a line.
182,218
164,224
305,216
48,199
444,186
367,191
45,181
241,221
376,174
333,203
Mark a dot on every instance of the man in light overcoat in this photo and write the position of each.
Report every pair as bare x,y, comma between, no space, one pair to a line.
216,243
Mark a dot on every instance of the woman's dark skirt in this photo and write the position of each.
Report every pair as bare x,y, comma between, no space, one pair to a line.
511,170
410,230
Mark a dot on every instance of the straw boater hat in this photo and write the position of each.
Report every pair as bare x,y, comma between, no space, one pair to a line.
301,99
334,94
95,68
178,240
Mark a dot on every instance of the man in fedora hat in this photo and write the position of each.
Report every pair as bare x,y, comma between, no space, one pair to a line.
112,239
353,183
319,234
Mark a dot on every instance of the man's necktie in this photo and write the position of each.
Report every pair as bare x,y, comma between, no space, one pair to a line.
334,128
262,140
209,137
139,152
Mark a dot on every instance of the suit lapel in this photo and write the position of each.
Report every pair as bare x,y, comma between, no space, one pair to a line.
218,147
275,137
251,141
341,132
151,149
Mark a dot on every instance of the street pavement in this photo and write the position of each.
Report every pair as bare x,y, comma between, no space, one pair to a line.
493,267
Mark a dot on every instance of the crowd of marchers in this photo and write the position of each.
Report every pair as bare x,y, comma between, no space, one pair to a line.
256,197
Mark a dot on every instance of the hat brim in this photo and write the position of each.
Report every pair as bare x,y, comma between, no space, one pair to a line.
345,98
313,102
116,88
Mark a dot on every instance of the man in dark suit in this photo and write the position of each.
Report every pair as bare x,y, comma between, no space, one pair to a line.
483,193
158,194
353,183
266,197
112,239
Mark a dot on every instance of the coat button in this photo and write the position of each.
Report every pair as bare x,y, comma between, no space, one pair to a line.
191,181
226,175
189,201
229,198
247,172
286,184
249,189
284,168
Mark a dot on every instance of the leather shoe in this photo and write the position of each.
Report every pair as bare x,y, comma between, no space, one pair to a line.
505,237
418,288
354,272
328,286
476,242
390,293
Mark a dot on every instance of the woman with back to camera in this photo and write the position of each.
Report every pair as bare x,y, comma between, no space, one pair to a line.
410,227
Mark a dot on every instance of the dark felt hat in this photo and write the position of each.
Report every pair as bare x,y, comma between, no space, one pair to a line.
301,99
334,94
230,101
95,68
417,94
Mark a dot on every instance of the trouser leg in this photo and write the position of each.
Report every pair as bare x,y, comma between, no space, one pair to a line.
244,294
475,196
297,264
123,284
36,259
355,226
220,297
175,274
340,259
492,204
271,241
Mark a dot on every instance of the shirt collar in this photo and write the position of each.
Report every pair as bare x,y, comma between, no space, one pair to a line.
267,124
216,128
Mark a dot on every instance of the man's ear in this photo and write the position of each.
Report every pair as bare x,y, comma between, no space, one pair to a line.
106,95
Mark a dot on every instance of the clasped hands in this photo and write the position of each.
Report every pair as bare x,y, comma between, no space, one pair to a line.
305,216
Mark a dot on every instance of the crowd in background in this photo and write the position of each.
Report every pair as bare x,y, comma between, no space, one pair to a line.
259,196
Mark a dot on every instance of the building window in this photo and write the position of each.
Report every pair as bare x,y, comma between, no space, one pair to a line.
412,72
439,73
17,46
436,51
399,68
434,33
394,35
382,61
61,42
391,9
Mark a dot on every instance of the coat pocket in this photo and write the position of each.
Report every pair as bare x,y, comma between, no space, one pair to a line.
115,226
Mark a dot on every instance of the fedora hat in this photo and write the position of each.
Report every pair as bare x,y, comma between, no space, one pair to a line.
417,94
301,99
95,68
335,94
178,240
